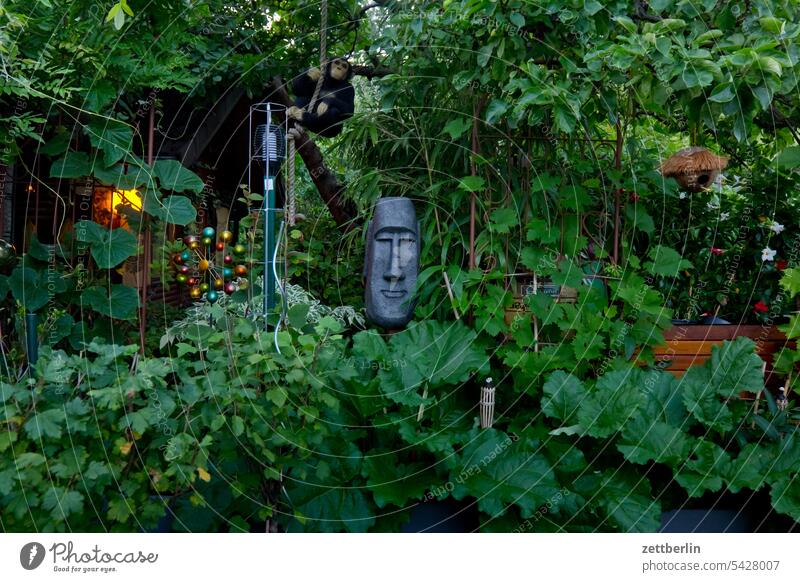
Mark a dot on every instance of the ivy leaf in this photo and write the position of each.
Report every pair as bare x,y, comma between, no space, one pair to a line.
121,303
173,176
666,262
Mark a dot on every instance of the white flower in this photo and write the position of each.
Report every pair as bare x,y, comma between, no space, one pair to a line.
776,227
682,195
724,215
767,254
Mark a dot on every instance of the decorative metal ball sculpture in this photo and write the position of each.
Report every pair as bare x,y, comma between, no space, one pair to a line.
208,267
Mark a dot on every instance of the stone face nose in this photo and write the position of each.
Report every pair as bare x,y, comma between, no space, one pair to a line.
395,272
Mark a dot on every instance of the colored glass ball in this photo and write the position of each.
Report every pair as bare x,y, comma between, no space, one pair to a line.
208,232
220,245
212,296
204,287
219,283
194,245
181,279
185,256
184,270
227,273
229,288
189,239
193,281
207,240
240,270
226,235
239,250
177,257
204,265
195,293
227,259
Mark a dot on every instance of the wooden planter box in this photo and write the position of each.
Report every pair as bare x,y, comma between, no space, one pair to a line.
690,345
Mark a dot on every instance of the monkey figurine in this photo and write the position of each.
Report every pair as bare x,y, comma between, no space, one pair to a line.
336,98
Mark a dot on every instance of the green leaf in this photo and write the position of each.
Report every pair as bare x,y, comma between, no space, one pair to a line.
789,158
58,144
517,19
503,220
178,210
592,7
330,509
495,110
62,503
639,218
785,495
701,400
647,440
735,368
499,471
33,288
626,500
394,483
456,127
664,399
46,424
72,165
667,261
563,394
722,93
705,470
173,176
298,315
110,247
121,303
472,183
112,137
613,402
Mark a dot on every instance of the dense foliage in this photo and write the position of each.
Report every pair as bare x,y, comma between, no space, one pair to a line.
553,117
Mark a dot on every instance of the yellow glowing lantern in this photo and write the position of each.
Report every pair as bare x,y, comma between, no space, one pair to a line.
107,202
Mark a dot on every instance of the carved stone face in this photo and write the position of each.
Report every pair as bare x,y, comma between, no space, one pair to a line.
392,263
340,69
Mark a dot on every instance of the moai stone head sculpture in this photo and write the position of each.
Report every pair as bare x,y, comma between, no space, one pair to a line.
392,262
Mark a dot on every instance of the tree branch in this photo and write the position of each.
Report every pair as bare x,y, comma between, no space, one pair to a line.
371,72
330,189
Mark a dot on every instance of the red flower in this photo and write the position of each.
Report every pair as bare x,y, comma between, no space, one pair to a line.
760,307
634,197
781,264
716,251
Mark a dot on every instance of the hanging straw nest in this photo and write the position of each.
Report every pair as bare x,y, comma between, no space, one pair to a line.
695,168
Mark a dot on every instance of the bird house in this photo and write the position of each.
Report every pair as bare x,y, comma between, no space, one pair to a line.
694,168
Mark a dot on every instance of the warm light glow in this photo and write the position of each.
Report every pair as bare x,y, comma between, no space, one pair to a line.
127,197
106,202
